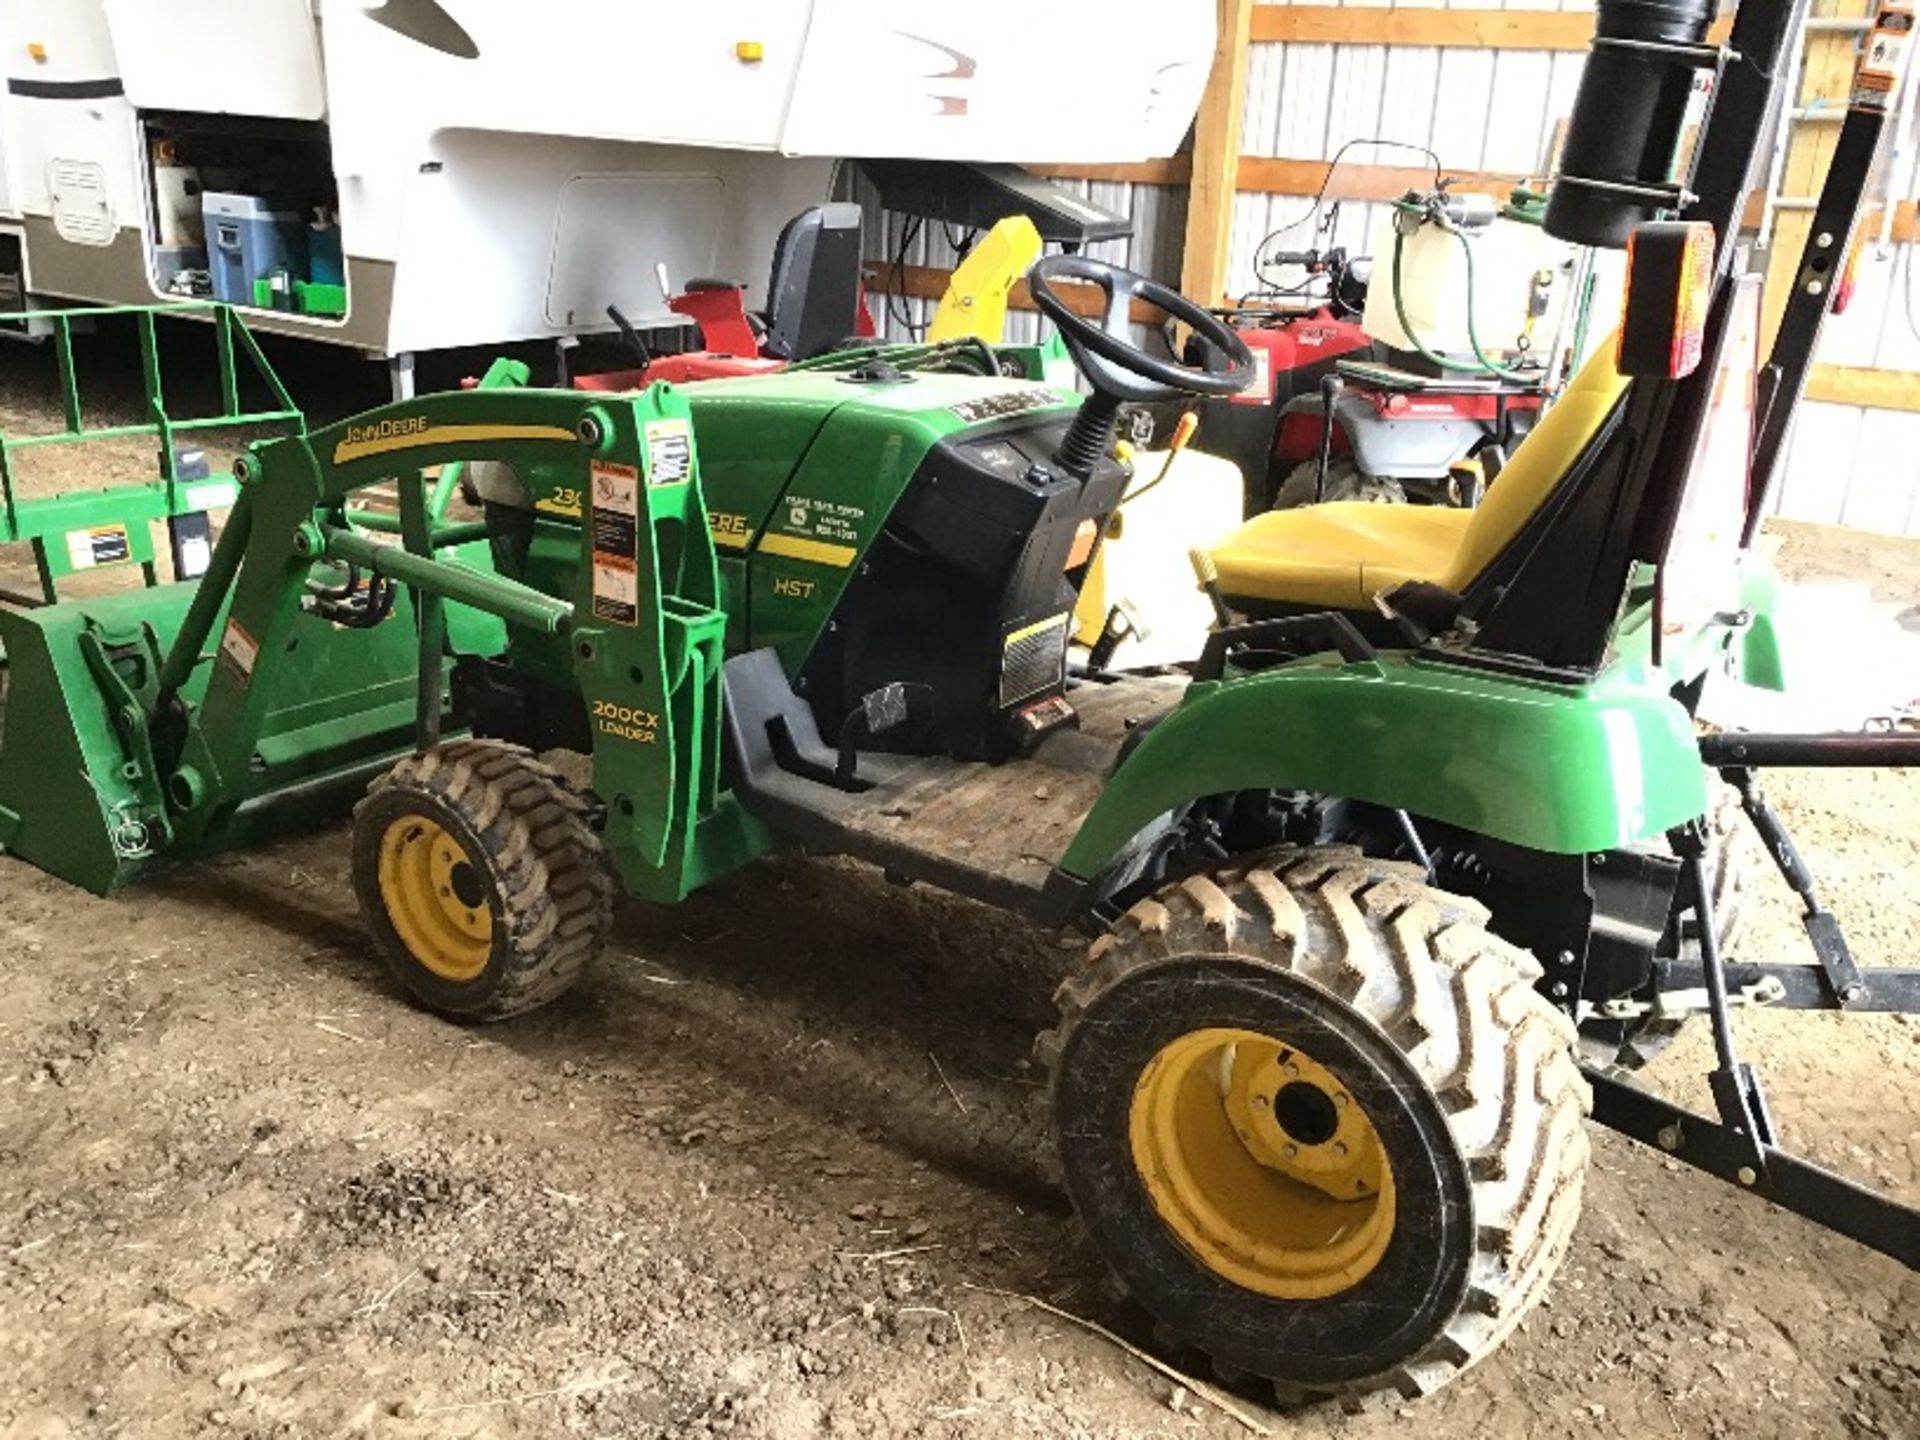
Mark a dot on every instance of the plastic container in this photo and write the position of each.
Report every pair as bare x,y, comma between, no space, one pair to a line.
326,264
247,241
177,206
1433,278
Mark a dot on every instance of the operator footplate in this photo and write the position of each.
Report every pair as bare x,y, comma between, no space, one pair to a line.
991,832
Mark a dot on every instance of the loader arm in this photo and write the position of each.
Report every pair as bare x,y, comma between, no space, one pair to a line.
643,624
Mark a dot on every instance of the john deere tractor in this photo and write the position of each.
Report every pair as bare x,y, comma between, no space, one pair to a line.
1430,808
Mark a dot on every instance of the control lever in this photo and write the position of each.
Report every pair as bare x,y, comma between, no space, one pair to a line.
630,336
1205,571
1123,623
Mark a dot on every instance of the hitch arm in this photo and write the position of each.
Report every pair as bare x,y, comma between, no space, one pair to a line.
1860,1213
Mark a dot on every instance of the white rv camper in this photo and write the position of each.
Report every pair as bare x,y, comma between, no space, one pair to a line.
419,174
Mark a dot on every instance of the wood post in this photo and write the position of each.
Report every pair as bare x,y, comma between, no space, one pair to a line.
1216,159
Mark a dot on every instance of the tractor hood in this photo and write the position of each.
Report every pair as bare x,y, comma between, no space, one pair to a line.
869,436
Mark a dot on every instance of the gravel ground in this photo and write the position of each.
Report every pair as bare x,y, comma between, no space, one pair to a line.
751,1177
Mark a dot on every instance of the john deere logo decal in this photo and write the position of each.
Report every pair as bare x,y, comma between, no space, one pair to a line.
427,23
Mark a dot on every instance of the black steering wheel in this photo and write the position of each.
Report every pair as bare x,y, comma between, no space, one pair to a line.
1106,354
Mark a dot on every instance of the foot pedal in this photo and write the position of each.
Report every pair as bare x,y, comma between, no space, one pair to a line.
893,705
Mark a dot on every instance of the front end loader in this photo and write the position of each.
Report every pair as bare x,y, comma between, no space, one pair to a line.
1380,893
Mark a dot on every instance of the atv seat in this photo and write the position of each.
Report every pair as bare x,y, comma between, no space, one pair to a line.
1342,554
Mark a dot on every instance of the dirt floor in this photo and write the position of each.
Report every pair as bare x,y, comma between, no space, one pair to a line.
762,1173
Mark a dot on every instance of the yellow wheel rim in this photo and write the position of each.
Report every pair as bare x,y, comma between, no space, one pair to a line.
1262,1164
435,898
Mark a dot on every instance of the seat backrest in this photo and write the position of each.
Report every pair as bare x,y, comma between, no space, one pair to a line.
814,291
1539,463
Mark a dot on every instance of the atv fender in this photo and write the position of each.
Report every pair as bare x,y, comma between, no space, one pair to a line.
1417,448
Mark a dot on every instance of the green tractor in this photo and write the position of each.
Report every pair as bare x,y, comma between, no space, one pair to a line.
1427,825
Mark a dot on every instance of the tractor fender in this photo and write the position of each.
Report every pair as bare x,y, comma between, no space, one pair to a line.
1767,647
1563,769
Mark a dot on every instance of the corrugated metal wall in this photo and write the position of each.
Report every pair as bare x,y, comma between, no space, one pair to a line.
1307,102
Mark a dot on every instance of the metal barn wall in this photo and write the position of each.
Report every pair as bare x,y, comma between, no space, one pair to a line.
1496,110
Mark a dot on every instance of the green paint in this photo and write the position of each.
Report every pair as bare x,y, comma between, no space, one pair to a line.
1552,768
81,773
72,532
1767,646
811,460
1751,639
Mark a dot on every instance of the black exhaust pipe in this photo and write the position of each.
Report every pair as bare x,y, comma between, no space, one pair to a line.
1616,168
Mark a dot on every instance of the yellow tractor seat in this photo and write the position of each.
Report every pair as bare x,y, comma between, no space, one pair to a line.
1344,553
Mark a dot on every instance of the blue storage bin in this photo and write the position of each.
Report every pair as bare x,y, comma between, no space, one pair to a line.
247,240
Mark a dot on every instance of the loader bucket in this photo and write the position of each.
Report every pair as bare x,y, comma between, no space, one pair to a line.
80,789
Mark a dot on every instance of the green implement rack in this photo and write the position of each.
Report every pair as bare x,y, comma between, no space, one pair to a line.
87,529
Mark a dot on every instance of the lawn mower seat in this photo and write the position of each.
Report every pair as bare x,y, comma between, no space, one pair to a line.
1342,554
814,291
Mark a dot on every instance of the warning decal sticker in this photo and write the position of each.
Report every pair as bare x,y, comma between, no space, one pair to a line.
1883,59
1010,402
616,542
102,545
239,651
669,452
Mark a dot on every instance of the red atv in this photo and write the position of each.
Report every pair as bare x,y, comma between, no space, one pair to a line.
1331,416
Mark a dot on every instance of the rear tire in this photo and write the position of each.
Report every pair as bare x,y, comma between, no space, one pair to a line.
1345,481
1389,998
480,880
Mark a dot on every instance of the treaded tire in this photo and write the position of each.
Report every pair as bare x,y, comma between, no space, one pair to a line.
1431,1022
1345,481
544,873
1735,859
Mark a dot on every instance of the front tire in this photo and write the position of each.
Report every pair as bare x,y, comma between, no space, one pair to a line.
1319,1123
480,880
